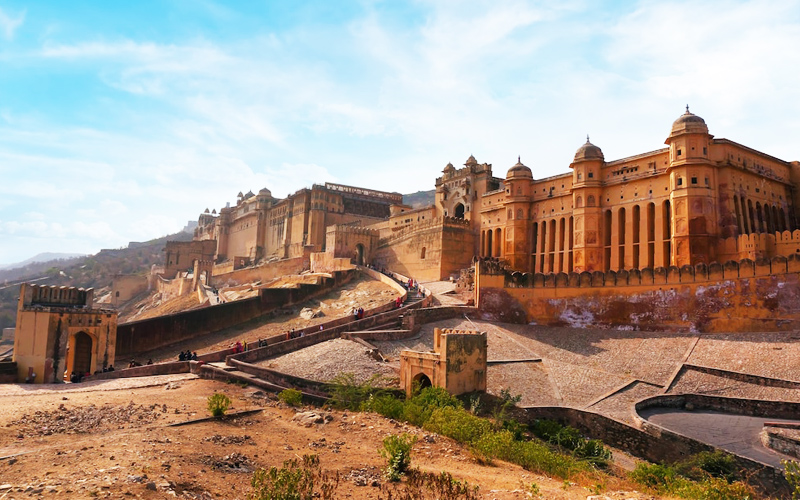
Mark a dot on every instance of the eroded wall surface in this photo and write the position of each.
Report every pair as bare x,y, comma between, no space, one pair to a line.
744,296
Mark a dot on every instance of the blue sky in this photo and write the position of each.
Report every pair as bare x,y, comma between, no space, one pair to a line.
121,121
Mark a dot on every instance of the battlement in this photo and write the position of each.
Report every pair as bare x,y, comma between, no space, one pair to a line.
713,272
350,229
426,225
476,168
55,296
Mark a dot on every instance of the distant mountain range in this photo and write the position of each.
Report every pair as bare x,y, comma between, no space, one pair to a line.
42,257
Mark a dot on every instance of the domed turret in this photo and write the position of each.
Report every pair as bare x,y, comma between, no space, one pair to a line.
471,161
588,152
689,123
449,168
519,171
265,192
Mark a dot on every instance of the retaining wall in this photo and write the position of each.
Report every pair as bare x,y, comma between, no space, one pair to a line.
145,335
762,295
169,368
655,445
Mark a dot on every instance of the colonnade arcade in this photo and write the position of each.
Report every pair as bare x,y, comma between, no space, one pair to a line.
759,218
633,237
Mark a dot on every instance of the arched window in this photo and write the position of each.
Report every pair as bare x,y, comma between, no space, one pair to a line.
519,213
422,253
590,201
579,202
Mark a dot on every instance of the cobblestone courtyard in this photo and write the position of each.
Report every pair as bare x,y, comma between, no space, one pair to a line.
605,371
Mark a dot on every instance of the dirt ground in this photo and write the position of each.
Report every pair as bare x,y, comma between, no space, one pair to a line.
112,440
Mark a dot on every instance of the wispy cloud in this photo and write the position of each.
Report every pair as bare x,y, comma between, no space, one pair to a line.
161,128
9,24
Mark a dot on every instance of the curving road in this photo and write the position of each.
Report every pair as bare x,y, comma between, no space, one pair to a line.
735,433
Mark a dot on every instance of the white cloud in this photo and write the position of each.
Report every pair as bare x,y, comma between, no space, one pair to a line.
385,105
9,25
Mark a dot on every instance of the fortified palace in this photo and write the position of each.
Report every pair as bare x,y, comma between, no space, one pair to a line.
697,201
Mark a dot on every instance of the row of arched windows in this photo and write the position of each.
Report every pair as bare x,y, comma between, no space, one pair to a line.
759,218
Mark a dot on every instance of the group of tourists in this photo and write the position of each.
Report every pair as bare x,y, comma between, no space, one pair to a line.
291,334
187,356
358,313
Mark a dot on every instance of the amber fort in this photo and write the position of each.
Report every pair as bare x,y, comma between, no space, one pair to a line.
697,201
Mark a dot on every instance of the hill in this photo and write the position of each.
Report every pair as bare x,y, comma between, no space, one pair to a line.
420,198
42,257
91,271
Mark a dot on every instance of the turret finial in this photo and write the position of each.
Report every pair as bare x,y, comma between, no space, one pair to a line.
519,159
587,138
687,108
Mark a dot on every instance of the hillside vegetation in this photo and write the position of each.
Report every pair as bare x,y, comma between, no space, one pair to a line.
92,271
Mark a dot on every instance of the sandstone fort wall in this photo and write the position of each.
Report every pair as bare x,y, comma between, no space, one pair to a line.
145,335
761,295
429,250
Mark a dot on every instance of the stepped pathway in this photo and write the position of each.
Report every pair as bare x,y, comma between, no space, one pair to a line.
254,367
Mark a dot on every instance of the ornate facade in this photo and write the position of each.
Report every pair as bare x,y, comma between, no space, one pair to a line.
262,227
689,203
698,200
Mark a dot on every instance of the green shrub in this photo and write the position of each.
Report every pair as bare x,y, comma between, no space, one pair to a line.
557,434
291,397
505,403
419,408
346,393
666,480
458,424
294,481
218,404
531,455
384,404
397,452
714,463
653,475
421,485
593,451
792,474
515,428
545,429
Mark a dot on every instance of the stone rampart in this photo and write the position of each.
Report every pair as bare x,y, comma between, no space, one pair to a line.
655,444
141,336
747,295
749,407
263,273
744,268
169,368
281,379
423,226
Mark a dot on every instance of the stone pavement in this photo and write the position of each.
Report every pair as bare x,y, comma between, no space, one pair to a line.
735,433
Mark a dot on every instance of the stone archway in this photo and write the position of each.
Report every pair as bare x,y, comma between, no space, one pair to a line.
421,381
359,255
459,211
81,353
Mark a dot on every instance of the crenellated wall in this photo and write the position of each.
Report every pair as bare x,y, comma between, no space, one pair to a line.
748,295
428,251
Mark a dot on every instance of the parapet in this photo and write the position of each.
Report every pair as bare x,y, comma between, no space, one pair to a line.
715,271
345,228
55,296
